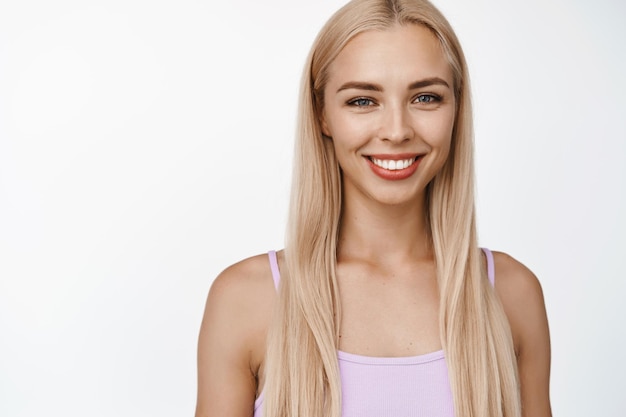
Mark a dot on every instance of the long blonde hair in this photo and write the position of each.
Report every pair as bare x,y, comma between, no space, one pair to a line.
301,367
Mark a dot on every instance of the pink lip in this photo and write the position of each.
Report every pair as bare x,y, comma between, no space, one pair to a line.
396,175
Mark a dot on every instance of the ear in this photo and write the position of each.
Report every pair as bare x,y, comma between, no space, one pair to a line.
324,125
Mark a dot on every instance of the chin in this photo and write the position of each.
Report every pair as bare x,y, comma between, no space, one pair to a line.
401,199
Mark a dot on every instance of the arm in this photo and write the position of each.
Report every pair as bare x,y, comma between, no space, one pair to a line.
232,339
523,302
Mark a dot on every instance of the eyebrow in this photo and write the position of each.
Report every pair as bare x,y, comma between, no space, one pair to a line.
358,85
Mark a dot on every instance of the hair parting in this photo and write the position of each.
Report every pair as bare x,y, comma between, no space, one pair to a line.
301,367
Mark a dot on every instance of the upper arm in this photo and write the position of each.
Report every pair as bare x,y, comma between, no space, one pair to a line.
231,341
523,302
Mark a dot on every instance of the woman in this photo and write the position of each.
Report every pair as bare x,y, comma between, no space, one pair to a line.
385,304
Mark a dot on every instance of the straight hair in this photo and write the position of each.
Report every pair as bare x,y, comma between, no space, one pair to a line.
301,366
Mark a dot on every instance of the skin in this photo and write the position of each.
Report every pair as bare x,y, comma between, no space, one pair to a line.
386,271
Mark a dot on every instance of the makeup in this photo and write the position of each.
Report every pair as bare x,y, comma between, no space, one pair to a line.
394,167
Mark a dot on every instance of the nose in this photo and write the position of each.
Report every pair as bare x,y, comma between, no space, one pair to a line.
395,124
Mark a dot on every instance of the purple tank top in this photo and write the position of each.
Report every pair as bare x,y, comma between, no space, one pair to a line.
411,386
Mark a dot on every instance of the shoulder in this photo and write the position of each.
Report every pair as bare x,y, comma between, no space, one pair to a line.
243,280
514,278
231,344
522,298
239,306
242,295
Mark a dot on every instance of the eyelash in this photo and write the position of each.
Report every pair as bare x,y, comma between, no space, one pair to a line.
354,102
432,98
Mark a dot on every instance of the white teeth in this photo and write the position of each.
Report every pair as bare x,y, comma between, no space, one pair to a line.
393,165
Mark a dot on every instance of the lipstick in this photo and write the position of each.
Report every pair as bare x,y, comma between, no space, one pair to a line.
394,167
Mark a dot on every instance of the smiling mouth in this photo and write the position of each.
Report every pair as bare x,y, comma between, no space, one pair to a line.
392,164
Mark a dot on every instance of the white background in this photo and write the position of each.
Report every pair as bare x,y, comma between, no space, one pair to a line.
146,145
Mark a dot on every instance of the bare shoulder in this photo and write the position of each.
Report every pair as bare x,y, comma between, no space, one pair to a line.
514,282
243,283
521,295
240,301
231,343
522,299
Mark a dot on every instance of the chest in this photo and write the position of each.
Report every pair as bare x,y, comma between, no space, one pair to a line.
389,314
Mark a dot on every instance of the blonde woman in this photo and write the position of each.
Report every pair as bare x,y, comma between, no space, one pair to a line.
381,304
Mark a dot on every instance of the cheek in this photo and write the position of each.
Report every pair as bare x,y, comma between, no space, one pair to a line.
446,138
437,131
348,132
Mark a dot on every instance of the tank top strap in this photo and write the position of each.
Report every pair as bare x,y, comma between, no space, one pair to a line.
274,268
491,273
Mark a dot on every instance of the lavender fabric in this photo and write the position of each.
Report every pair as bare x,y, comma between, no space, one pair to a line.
411,386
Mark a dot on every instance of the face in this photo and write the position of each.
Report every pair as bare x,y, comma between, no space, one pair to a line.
389,109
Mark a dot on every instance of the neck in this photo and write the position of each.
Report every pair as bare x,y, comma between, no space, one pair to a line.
383,233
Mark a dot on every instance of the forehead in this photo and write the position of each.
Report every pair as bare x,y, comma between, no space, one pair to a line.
401,53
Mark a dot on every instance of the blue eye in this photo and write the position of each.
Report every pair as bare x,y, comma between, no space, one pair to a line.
361,102
427,98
